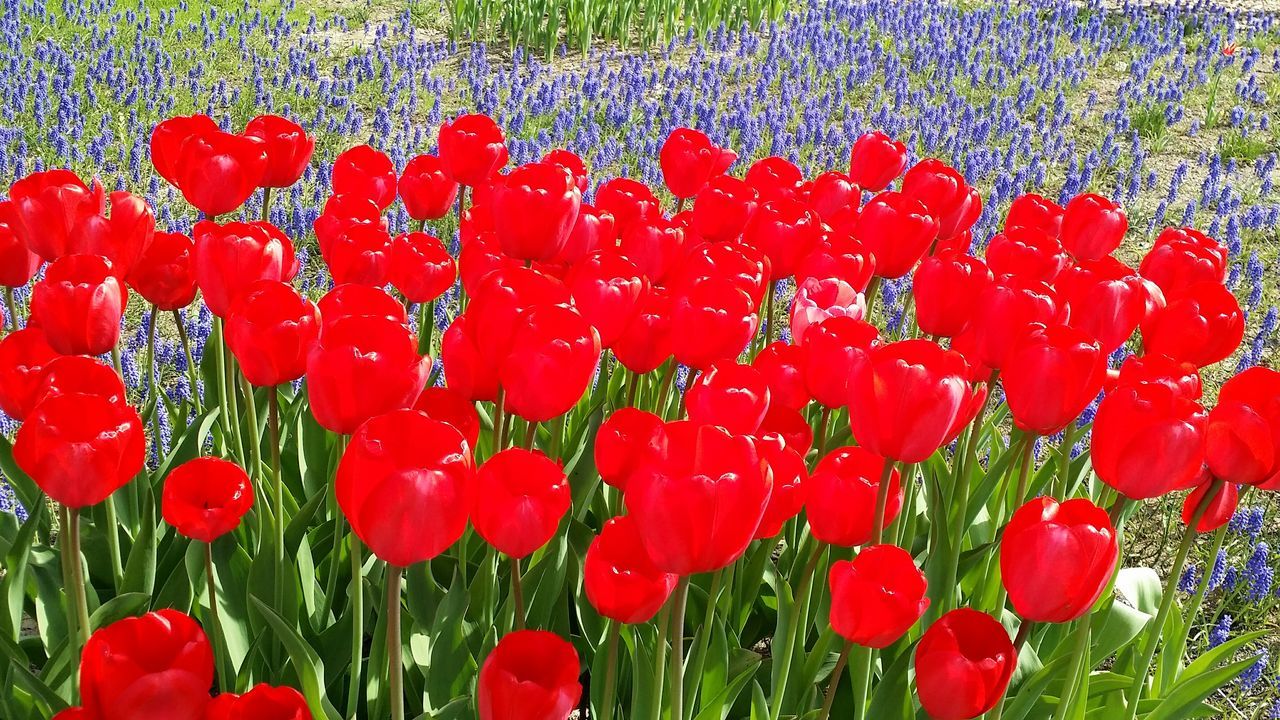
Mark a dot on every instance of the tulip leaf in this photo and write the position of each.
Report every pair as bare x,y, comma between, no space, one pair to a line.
22,676
118,608
1140,588
1119,625
14,582
451,663
305,662
892,698
1187,697
140,566
189,446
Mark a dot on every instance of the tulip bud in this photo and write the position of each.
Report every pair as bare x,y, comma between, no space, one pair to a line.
876,161
120,237
1221,505
205,498
1056,559
1257,388
593,230
427,191
1036,212
876,597
1239,444
165,272
1092,227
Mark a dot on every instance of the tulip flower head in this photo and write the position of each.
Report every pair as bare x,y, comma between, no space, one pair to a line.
205,498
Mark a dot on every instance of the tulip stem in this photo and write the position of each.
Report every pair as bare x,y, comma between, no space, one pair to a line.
820,437
395,664
1079,661
668,378
530,433
1064,460
836,672
192,372
1153,632
12,303
68,584
1201,589
426,327
677,649
498,420
226,676
277,487
861,682
704,638
660,660
266,204
1024,470
882,502
794,629
77,577
610,671
357,623
767,319
517,593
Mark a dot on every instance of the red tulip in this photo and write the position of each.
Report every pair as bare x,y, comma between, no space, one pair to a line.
532,675
421,267
352,300
535,208
427,191
472,148
791,426
552,361
1258,389
832,349
963,664
271,332
217,171
340,213
816,301
121,237
79,304
699,502
18,264
621,582
840,496
897,230
73,713
361,255
1182,257
785,230
80,448
782,367
262,702
361,368
946,288
654,245
468,371
593,230
745,266
722,208
626,439
79,374
713,320
1202,325
168,139
910,398
1108,300
165,272
1182,378
159,665
451,407
833,192
1029,253
289,148
946,195
229,258
606,290
876,161
24,355
520,497
1219,510
838,255
1050,376
646,340
785,467
876,597
572,162
733,396
404,483
1240,444
1092,227
1036,212
48,207
205,498
1004,309
365,172
774,178
628,201
1056,559
1147,440
689,160
500,305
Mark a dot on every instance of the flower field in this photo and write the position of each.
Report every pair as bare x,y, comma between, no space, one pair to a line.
882,360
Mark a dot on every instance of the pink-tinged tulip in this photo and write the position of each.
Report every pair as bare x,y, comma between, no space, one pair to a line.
1034,211
551,362
49,206
1148,440
722,208
698,504
946,195
877,596
817,300
964,662
1050,376
535,208
1057,558
364,172
689,160
229,258
1092,227
1029,253
530,674
1202,325
910,398
361,368
218,171
79,303
838,255
840,496
472,149
428,193
946,288
607,289
289,149
733,396
876,161
897,230
832,350
520,497
621,581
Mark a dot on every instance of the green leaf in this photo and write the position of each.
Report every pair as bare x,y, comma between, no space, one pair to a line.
305,662
1141,587
451,665
892,698
23,677
119,608
1187,697
14,583
1120,625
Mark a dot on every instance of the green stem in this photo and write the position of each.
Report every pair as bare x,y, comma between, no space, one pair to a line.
224,403
77,577
660,660
820,437
1079,660
836,672
1064,460
426,327
882,502
113,541
1151,637
1202,588
1024,472
607,701
395,664
255,439
277,487
794,629
266,204
192,372
226,677
12,304
668,379
498,421
517,593
861,681
677,649
704,639
357,624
